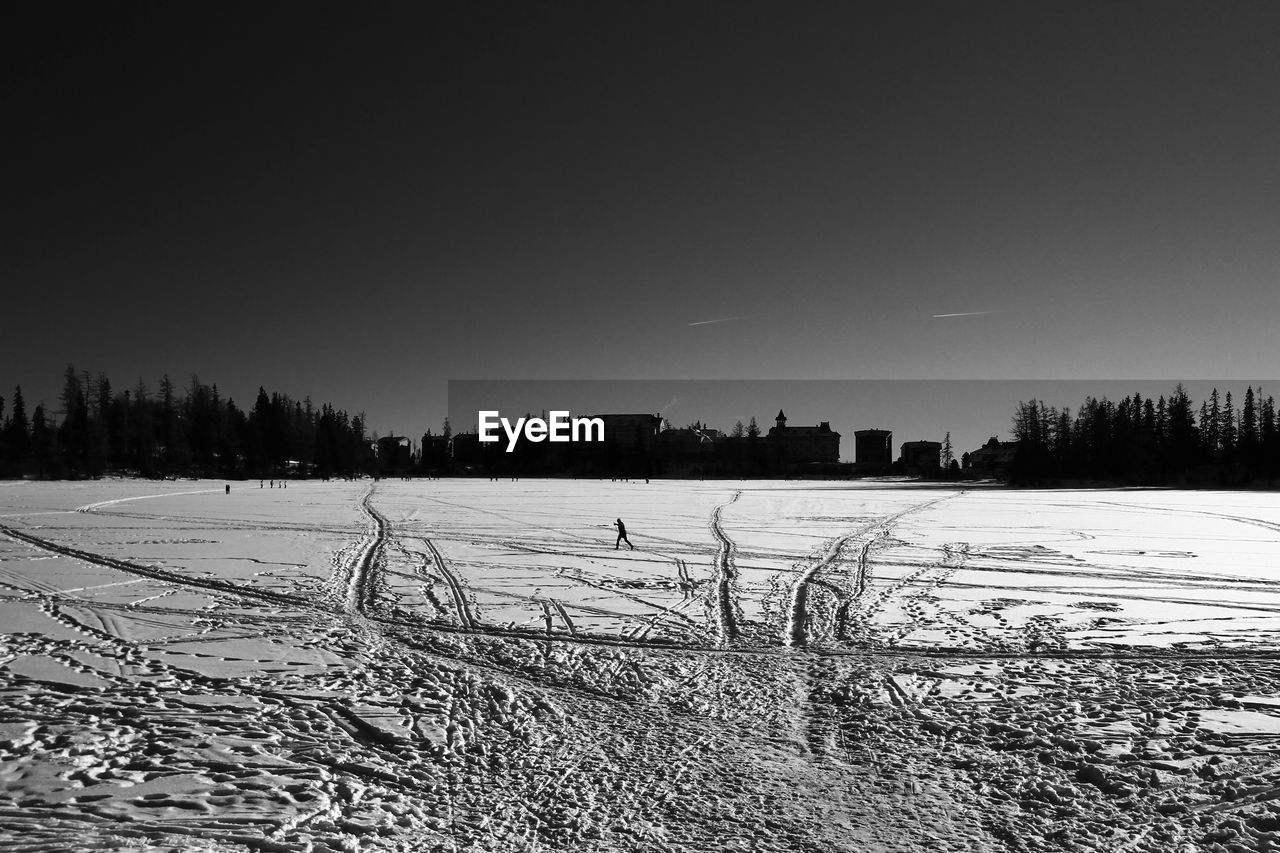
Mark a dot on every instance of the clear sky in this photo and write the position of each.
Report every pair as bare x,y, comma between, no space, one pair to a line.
360,203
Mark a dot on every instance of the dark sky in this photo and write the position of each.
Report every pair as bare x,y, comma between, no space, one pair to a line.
359,203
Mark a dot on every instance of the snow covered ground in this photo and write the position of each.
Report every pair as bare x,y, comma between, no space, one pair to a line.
471,665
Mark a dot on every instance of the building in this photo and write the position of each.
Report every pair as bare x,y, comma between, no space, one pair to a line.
467,451
394,454
631,433
873,448
435,453
921,458
692,451
801,445
992,459
630,448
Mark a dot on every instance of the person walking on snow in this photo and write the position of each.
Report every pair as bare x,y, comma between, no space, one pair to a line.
622,535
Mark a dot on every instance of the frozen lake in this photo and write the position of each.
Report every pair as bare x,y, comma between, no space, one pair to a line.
465,664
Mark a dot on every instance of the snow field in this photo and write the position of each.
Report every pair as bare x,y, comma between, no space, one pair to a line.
468,665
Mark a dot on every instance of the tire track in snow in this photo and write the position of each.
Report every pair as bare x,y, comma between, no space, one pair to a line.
725,573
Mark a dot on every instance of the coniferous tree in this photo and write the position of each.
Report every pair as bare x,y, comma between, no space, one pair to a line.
1182,431
73,435
42,444
143,418
1206,448
1227,428
167,425
195,433
1269,438
1248,418
1247,433
118,431
16,435
1214,437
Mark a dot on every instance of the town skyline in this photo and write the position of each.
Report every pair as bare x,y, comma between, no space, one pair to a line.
196,428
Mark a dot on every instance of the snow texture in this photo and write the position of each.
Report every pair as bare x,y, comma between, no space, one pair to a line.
470,665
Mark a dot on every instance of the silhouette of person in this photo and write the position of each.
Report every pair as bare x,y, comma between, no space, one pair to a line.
622,535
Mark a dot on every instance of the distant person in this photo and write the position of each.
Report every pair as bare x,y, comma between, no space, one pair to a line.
228,488
622,535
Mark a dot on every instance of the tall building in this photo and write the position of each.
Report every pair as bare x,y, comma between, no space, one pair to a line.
921,457
394,454
873,447
804,444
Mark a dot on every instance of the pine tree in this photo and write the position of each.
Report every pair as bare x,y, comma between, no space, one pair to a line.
16,437
142,451
168,423
1270,438
1248,431
42,449
73,435
948,454
1228,426
1182,431
1214,438
1203,421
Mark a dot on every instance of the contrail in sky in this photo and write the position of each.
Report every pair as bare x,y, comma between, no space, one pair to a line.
721,320
962,314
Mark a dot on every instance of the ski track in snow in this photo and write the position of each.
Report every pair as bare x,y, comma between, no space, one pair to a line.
794,628
456,591
363,573
179,709
725,572
152,572
94,507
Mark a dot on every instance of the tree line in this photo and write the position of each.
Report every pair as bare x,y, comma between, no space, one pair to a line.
1169,440
171,432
